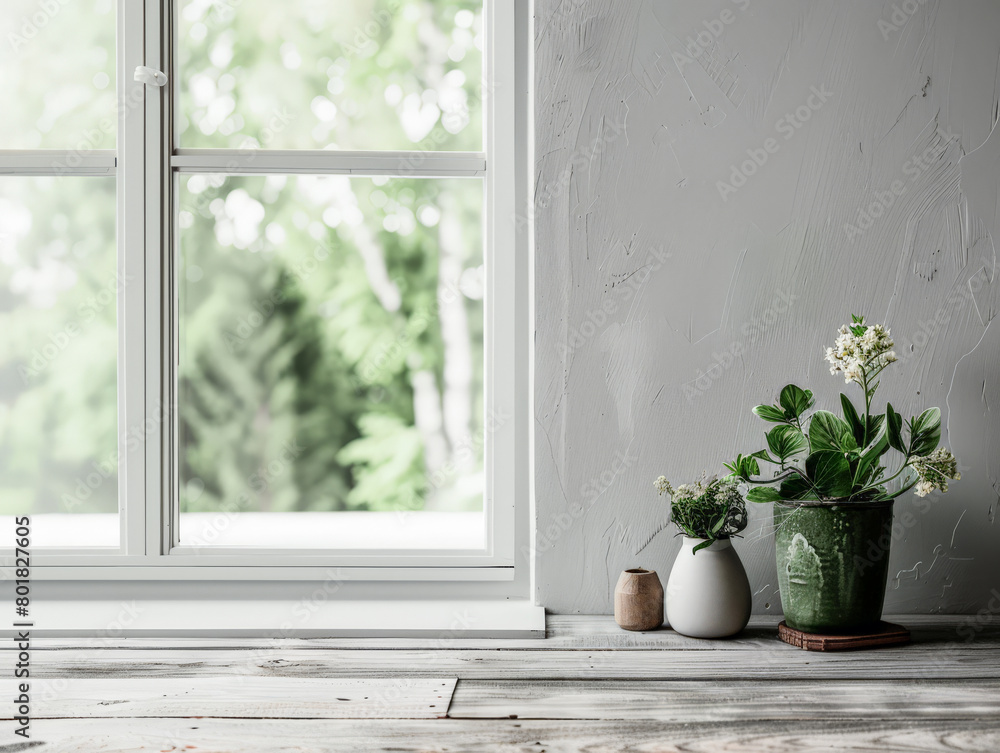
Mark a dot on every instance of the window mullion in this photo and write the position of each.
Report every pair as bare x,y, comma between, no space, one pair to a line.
131,269
502,313
157,255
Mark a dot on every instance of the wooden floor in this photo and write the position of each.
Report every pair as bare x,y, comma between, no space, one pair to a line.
588,686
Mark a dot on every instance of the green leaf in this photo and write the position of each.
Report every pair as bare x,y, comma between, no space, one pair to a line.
785,441
795,401
750,467
770,413
763,494
878,446
830,473
894,426
827,432
744,466
925,432
875,424
852,418
796,487
868,464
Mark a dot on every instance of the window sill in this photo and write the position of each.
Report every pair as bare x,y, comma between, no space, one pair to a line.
111,619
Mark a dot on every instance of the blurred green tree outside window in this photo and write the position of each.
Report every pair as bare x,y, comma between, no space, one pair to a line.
330,328
59,283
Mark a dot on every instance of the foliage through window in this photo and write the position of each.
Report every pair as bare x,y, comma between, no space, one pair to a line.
279,335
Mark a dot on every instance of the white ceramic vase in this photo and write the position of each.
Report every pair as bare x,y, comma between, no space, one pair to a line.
708,593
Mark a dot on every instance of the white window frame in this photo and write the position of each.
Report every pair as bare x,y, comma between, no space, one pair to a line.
145,171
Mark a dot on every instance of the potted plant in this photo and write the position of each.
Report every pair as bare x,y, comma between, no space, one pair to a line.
833,495
708,593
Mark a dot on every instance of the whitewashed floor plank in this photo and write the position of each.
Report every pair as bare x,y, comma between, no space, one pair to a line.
507,736
779,662
240,697
711,701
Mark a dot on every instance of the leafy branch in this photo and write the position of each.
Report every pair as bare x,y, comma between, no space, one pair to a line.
828,458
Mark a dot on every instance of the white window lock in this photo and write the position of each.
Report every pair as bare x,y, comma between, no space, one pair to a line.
150,76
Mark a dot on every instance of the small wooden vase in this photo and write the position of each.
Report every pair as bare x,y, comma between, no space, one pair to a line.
639,600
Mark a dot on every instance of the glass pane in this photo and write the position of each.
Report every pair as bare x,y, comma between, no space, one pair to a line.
57,74
331,361
58,363
314,74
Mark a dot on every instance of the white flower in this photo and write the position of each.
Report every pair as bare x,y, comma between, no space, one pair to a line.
935,470
687,490
690,491
857,355
662,485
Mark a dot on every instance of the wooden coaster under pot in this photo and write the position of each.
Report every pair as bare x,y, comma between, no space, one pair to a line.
887,634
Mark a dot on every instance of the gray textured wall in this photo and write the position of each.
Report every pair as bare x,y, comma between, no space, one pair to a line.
676,286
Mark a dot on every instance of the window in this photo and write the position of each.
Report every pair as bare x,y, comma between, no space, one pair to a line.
264,316
61,281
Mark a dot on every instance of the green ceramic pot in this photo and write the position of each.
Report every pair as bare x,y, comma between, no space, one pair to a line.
832,564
